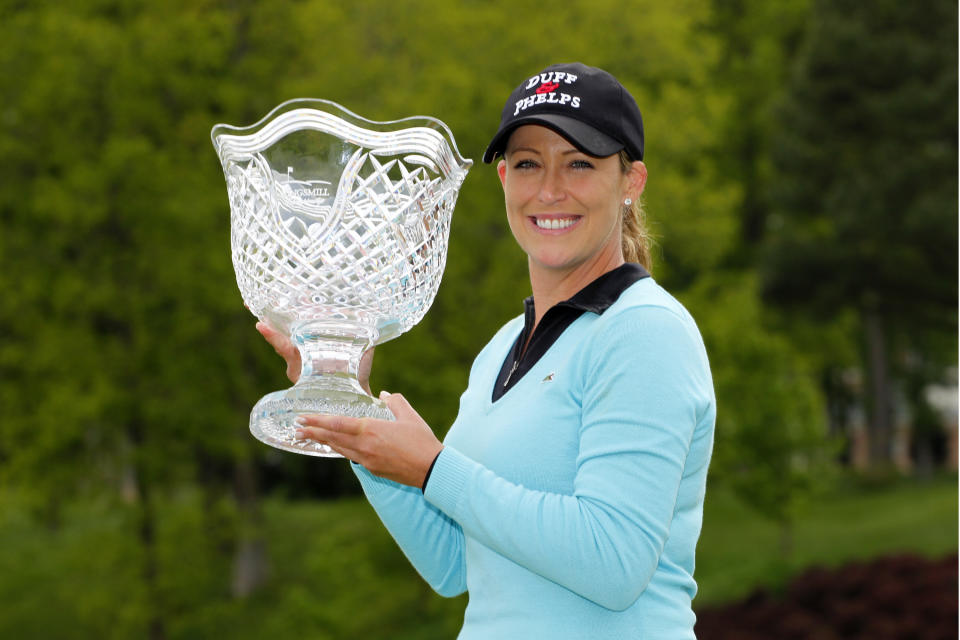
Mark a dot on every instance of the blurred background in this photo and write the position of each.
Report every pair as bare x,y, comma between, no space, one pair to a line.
803,192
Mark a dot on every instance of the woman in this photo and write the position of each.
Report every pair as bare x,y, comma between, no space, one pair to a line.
567,496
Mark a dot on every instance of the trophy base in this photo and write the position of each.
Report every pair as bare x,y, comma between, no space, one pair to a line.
272,420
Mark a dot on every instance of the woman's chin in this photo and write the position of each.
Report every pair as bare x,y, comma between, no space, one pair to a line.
554,261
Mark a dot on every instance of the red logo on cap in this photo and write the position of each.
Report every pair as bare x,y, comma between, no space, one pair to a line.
547,87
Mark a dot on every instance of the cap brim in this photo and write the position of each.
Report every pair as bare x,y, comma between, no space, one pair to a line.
581,135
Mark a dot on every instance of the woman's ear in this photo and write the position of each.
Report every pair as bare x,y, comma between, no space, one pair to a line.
502,171
636,180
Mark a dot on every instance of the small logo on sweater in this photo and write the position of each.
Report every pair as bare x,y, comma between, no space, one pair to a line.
549,378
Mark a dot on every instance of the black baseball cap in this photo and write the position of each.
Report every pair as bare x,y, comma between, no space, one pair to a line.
586,105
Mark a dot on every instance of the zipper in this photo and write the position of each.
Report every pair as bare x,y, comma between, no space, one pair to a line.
516,363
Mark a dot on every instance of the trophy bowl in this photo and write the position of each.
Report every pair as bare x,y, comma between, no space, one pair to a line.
338,232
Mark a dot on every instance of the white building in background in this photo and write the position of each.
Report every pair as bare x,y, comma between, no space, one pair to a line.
945,400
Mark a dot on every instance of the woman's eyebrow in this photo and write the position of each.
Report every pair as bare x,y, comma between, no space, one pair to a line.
528,149
532,150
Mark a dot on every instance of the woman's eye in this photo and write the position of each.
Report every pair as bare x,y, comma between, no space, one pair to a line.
581,164
524,164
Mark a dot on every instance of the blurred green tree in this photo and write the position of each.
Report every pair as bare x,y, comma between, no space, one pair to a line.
758,44
772,447
118,282
865,188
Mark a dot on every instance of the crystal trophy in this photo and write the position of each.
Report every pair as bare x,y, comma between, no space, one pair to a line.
338,232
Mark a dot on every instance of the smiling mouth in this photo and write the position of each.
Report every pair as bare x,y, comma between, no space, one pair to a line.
556,223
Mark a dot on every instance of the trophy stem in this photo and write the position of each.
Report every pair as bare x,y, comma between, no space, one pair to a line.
330,356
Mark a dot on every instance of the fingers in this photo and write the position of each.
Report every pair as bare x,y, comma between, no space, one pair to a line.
284,347
343,425
342,434
276,339
401,450
330,439
363,373
399,406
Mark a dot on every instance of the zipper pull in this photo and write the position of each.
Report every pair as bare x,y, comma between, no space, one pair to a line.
516,363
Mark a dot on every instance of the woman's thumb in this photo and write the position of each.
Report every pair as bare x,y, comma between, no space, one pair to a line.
398,405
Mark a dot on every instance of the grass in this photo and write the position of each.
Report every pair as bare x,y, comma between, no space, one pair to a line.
335,572
739,551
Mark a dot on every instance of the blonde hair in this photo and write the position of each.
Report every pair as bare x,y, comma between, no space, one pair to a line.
636,239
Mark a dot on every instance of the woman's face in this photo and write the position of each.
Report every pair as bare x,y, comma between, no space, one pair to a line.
563,205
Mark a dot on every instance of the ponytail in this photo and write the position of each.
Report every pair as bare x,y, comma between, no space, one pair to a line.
636,239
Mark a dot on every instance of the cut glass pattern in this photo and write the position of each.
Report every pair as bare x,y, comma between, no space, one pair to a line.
339,230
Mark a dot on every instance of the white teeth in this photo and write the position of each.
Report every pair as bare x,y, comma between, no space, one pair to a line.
554,223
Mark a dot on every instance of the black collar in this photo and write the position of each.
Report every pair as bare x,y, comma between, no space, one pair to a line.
596,297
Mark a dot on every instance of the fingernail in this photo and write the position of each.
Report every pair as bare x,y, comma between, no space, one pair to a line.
384,395
299,434
300,420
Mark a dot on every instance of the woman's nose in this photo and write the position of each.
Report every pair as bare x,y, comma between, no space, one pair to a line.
552,188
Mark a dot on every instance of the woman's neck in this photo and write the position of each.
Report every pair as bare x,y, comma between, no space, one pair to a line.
551,286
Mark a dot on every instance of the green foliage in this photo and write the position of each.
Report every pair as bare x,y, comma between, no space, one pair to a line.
107,216
866,183
739,551
771,443
758,43
864,196
337,574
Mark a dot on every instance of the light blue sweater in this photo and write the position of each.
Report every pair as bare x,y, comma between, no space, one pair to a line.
571,507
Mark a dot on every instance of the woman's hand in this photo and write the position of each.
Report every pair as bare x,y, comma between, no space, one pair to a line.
283,346
400,450
289,352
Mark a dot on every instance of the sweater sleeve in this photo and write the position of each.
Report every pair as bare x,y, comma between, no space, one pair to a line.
643,390
431,540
